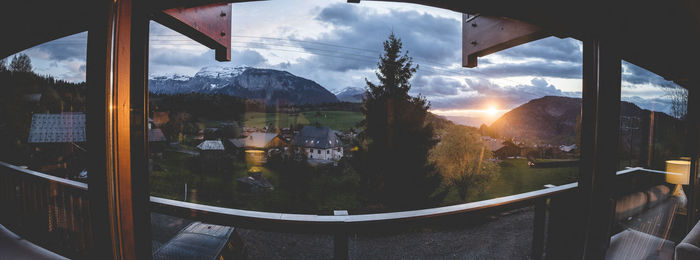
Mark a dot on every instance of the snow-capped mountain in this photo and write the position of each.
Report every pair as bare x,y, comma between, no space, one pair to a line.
221,72
178,77
350,94
267,85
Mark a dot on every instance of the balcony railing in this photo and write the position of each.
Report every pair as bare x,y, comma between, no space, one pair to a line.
49,211
54,213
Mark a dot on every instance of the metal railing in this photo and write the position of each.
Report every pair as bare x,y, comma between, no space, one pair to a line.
49,211
46,209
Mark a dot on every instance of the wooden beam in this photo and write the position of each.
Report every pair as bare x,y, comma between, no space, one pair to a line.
209,25
600,122
100,43
117,63
483,35
138,123
692,144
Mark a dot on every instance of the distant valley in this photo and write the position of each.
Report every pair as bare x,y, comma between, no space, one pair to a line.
548,120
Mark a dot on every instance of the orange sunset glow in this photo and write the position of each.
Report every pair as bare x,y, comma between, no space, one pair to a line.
486,115
489,111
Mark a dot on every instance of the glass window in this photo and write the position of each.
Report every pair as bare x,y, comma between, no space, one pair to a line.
651,205
441,135
43,136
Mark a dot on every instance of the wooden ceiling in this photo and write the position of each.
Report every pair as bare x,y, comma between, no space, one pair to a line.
660,36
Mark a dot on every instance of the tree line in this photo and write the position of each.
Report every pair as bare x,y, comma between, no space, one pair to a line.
26,93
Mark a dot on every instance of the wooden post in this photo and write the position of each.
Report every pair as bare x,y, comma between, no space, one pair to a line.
98,77
600,130
693,129
340,239
117,63
539,228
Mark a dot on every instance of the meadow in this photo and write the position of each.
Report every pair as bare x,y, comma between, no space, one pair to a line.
515,177
323,192
337,120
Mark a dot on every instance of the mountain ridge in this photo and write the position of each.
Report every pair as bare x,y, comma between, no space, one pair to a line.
267,85
554,120
350,94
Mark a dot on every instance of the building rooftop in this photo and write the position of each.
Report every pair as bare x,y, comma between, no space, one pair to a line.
320,137
156,135
57,128
211,145
196,241
493,144
255,140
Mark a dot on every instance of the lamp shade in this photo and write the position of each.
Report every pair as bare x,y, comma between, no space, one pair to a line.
677,172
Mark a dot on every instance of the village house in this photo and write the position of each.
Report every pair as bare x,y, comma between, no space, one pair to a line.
318,143
508,150
257,145
286,134
502,149
56,139
211,155
156,139
160,118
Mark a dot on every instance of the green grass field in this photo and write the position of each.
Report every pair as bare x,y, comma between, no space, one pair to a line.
516,177
337,120
325,193
174,169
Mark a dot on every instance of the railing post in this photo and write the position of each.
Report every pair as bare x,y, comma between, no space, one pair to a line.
539,228
340,239
693,118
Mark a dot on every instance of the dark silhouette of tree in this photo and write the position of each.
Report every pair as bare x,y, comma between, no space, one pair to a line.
679,100
396,136
50,102
21,63
3,66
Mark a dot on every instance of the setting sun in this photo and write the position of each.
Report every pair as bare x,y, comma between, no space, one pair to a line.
491,111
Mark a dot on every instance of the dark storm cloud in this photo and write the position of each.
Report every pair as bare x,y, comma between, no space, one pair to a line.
67,48
551,49
436,86
655,104
433,41
484,91
428,38
179,57
637,75
533,68
284,65
162,51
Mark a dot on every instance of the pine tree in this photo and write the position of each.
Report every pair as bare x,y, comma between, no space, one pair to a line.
3,67
21,63
396,135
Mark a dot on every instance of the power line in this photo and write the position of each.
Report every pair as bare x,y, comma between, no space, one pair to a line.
434,69
181,40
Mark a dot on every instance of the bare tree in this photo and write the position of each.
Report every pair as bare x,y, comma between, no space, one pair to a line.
679,100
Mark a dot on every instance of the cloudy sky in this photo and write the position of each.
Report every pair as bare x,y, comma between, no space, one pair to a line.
337,45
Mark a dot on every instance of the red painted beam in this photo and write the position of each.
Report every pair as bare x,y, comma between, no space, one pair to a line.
209,25
483,35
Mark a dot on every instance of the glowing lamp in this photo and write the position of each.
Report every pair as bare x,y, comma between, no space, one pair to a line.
678,172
